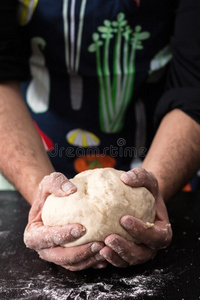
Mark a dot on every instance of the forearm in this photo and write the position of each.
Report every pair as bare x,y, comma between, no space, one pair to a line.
23,159
174,155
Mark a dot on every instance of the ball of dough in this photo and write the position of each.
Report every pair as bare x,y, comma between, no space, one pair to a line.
99,203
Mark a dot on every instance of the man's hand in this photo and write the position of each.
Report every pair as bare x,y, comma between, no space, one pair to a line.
46,240
122,253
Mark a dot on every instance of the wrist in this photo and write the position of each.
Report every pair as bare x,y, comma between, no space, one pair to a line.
28,183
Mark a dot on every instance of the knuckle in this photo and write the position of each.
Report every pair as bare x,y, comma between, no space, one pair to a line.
58,180
54,175
51,182
58,176
51,178
142,175
163,239
153,179
55,178
140,171
29,242
167,237
81,256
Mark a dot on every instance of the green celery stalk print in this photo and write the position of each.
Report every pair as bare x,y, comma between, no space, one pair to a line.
116,91
116,85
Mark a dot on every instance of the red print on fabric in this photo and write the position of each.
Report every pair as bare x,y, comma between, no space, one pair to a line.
48,144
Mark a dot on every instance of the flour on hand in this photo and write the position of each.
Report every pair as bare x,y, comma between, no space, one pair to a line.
99,203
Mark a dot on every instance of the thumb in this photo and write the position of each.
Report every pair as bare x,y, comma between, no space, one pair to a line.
55,183
58,184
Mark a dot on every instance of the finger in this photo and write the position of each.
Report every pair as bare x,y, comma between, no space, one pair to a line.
161,211
131,253
155,236
72,255
113,258
96,261
37,236
57,183
139,177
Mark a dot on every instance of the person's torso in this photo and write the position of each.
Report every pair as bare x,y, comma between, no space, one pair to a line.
89,62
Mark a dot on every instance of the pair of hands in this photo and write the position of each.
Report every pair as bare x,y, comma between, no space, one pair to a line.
115,249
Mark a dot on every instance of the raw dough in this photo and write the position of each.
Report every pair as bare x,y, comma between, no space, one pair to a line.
99,203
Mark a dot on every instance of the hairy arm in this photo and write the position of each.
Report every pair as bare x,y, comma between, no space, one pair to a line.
23,159
25,163
174,155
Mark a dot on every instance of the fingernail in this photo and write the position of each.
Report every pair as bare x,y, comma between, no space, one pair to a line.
99,257
124,177
113,242
95,247
68,187
126,222
107,255
77,232
132,175
127,176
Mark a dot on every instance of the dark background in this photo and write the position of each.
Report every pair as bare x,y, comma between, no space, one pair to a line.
173,275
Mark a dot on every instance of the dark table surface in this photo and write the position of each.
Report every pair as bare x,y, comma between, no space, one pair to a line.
173,275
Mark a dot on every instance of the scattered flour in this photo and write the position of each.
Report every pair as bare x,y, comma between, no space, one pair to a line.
49,287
